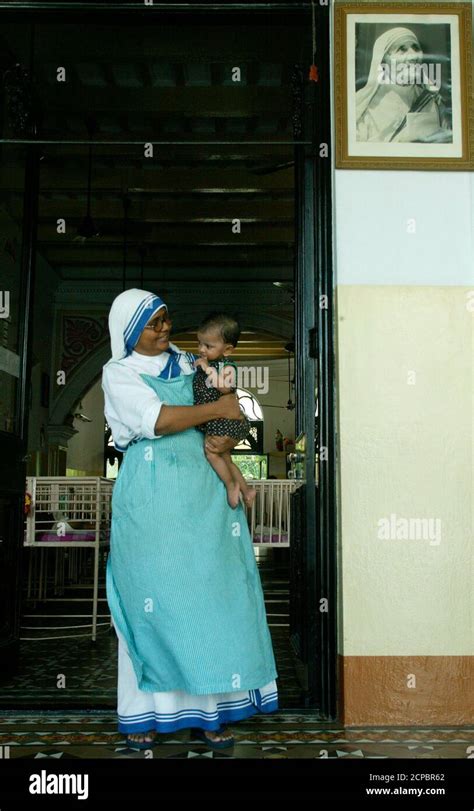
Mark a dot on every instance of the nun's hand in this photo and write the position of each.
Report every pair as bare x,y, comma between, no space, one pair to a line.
229,407
220,444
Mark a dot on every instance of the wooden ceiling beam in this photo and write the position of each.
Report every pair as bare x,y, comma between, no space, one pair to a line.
171,154
226,44
171,211
110,225
217,102
174,181
281,268
134,279
252,235
161,256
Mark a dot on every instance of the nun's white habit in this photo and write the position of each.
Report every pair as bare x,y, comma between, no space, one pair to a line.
203,656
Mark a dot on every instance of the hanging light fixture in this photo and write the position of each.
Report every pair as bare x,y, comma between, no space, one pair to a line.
79,414
290,406
290,347
289,287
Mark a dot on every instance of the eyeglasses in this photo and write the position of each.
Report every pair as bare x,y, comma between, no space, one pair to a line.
158,322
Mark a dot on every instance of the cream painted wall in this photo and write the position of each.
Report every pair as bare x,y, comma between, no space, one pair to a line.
276,418
86,448
405,446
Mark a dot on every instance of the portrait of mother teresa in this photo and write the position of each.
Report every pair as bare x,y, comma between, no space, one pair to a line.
400,101
183,587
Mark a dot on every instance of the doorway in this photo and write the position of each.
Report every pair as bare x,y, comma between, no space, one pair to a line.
212,193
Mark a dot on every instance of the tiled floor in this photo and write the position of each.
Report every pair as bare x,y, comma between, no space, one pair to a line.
93,734
39,720
90,673
90,668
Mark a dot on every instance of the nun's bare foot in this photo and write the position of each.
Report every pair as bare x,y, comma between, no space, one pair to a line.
222,735
233,493
143,737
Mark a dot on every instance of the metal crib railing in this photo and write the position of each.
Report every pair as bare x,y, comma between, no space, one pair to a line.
70,515
269,515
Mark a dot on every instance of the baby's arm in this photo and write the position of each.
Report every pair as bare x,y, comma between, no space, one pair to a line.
227,379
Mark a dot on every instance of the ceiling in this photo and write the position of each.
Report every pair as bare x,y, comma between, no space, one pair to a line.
254,345
133,85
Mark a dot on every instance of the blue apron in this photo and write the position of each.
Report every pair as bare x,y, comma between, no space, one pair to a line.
182,582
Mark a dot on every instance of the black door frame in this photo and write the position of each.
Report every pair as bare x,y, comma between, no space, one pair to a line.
322,345
317,340
14,444
315,366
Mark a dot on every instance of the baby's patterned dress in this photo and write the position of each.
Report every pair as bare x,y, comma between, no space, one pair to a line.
237,429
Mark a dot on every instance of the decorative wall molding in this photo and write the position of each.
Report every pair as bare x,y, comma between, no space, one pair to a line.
79,336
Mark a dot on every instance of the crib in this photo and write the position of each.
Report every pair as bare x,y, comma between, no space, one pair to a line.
70,516
269,516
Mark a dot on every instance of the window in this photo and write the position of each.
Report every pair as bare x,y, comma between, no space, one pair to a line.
253,443
112,457
252,465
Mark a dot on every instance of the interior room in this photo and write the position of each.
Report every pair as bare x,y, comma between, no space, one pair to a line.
255,159
170,167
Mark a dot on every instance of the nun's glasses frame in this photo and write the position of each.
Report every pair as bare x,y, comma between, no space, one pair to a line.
160,320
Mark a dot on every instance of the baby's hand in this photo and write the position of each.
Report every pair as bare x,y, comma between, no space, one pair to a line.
226,381
202,362
225,389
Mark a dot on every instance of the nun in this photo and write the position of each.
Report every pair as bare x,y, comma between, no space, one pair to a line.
408,107
183,587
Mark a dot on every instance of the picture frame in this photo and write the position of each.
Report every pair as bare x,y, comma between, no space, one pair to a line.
403,86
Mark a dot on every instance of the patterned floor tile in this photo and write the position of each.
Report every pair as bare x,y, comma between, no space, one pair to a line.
94,735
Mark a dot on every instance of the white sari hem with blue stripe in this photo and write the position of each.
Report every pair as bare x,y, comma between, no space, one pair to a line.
170,711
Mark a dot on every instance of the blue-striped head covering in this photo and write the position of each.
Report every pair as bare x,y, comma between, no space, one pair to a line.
129,313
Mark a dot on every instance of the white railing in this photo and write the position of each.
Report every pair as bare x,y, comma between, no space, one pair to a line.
66,509
269,517
73,514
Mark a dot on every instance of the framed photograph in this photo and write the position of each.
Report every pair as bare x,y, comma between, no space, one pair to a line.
403,86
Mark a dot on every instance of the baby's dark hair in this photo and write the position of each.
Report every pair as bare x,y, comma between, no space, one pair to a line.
227,326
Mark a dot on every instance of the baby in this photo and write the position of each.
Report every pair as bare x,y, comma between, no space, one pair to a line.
216,375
